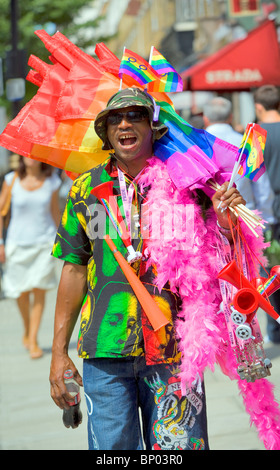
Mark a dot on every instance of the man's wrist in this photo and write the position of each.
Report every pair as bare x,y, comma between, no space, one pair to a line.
1,241
224,229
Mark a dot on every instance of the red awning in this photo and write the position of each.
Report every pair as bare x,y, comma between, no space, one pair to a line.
241,65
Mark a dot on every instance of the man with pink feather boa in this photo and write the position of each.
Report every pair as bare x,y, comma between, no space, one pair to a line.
127,364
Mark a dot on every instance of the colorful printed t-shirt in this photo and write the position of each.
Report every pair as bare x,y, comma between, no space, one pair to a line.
113,323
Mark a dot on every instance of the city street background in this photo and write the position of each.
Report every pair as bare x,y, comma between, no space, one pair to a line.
29,420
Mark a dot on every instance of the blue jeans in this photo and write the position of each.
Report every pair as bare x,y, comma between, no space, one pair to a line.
115,390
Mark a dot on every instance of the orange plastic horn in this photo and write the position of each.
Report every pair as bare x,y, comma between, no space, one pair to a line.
150,307
234,276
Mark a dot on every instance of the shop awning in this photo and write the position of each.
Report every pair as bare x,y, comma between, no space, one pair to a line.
241,65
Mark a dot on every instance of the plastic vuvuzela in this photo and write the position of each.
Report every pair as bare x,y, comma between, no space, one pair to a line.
150,307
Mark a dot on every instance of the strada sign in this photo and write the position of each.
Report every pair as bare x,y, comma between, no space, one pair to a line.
244,7
233,76
241,65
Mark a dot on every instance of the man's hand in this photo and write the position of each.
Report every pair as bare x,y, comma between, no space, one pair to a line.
59,392
224,198
71,292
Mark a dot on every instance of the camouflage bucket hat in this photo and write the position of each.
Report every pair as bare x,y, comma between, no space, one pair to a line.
124,99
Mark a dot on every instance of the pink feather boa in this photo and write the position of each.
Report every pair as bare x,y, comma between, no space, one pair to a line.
193,273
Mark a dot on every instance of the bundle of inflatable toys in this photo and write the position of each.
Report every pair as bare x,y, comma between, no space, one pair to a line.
57,127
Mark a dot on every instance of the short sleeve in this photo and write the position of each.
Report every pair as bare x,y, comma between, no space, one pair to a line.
9,178
71,242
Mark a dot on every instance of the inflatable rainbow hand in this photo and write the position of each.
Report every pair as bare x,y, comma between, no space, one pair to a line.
56,125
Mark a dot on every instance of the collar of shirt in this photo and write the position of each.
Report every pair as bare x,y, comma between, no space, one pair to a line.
112,169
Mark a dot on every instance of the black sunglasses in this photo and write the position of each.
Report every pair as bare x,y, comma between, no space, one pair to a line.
130,116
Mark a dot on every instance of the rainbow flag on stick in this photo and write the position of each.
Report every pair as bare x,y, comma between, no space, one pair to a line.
253,150
138,68
170,80
250,162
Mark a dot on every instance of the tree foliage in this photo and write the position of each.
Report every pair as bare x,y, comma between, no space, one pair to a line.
50,15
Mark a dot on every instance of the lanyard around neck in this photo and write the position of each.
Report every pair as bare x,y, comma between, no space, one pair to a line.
127,195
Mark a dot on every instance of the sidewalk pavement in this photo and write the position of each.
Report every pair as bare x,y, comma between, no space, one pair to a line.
29,420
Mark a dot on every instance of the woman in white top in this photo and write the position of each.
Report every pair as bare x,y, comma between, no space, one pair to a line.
28,265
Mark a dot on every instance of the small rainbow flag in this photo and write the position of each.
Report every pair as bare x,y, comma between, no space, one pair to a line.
252,150
138,68
170,79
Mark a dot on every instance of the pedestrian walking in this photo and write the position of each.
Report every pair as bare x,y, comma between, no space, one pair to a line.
267,103
29,269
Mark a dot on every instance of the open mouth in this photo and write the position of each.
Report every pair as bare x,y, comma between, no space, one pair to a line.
127,140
